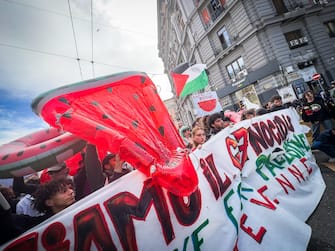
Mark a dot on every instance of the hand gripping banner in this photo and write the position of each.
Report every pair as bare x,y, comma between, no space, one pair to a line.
124,114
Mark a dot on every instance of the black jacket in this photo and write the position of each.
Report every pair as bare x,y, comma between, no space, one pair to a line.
13,225
314,111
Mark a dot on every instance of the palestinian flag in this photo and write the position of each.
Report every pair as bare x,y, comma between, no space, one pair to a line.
189,80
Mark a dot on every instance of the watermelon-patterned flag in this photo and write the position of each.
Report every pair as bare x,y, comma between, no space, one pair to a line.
193,79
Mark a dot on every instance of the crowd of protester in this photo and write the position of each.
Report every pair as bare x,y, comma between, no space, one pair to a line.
315,110
31,200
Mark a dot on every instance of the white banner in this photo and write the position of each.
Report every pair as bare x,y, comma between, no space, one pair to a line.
258,183
206,103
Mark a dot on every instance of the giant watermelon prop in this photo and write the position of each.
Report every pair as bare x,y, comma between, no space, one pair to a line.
207,105
38,150
123,113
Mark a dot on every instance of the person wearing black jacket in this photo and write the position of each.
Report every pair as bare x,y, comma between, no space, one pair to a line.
102,173
314,111
217,122
50,198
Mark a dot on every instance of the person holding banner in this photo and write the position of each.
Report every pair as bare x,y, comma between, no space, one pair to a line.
50,198
113,167
54,196
100,174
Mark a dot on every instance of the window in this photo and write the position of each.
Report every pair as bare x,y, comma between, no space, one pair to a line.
210,13
296,39
206,17
280,6
235,68
330,26
224,37
215,8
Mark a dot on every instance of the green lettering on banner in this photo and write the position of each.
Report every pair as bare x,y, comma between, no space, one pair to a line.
240,191
295,148
230,209
265,162
195,238
301,142
185,243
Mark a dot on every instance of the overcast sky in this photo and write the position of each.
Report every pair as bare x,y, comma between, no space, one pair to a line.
39,47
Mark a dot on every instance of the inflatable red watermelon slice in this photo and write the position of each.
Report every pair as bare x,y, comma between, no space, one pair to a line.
123,113
207,105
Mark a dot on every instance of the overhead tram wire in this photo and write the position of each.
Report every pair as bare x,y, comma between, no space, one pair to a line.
92,61
75,41
36,51
69,57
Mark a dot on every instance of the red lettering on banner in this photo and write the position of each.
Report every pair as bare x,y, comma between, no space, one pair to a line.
309,169
296,173
285,183
258,236
222,185
288,123
274,133
90,226
256,138
213,177
53,237
266,132
282,127
123,207
210,178
238,145
263,134
186,209
267,202
27,242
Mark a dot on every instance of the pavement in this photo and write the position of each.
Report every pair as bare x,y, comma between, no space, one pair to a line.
322,221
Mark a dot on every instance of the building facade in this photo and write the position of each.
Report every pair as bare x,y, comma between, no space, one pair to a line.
171,106
253,49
